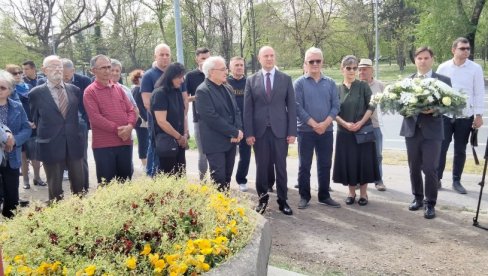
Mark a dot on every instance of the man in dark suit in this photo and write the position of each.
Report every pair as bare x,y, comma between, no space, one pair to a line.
219,122
423,136
54,110
270,124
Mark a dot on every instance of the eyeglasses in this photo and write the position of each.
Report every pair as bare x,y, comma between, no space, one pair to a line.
465,48
16,73
3,88
55,67
315,61
349,68
221,69
108,67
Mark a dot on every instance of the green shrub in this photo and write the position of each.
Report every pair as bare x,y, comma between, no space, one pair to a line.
147,227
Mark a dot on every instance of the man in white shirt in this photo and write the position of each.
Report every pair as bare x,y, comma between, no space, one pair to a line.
467,77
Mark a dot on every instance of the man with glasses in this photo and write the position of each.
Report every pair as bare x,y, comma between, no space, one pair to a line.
466,77
112,118
317,104
220,121
270,125
54,111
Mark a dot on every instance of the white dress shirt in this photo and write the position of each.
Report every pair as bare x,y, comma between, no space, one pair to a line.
468,79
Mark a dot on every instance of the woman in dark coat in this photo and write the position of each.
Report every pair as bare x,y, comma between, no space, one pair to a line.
354,163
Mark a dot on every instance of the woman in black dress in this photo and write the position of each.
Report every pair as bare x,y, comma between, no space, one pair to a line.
168,109
354,163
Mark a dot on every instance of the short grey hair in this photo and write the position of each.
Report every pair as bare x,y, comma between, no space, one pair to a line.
67,63
161,46
48,59
8,78
116,62
209,64
349,60
313,50
94,60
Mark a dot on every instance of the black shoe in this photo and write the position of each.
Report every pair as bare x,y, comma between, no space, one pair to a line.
415,205
296,186
23,203
363,201
439,185
26,186
330,202
429,211
261,207
303,203
350,200
39,183
456,185
263,203
284,207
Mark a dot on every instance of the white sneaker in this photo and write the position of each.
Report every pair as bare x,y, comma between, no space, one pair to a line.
243,187
65,175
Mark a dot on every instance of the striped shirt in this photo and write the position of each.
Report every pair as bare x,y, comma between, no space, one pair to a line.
108,108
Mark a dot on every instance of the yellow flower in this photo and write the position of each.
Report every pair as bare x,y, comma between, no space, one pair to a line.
171,259
43,268
203,244
241,211
24,270
8,270
65,271
204,266
176,247
218,230
131,263
160,264
90,270
55,266
221,240
19,259
146,250
446,101
153,258
207,251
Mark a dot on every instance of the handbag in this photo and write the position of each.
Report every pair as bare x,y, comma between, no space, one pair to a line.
166,146
473,140
365,134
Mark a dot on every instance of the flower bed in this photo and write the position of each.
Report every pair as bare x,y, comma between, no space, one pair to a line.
162,227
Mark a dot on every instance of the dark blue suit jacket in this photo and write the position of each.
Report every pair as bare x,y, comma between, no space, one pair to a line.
432,127
58,138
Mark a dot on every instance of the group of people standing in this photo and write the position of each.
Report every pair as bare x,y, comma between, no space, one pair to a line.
266,111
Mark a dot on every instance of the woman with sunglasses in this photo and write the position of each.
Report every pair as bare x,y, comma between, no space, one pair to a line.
354,163
13,116
29,151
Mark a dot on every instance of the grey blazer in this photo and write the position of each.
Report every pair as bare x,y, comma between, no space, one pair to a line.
279,112
432,127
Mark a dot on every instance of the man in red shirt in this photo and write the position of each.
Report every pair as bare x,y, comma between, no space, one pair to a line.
112,118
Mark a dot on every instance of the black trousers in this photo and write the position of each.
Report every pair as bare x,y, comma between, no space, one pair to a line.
173,165
269,148
423,156
9,181
221,165
113,162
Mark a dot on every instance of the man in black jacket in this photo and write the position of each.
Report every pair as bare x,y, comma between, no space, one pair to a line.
220,121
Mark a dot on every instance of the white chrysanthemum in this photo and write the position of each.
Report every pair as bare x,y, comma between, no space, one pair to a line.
430,99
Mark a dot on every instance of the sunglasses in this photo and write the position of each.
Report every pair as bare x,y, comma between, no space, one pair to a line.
16,73
464,48
349,68
315,61
3,88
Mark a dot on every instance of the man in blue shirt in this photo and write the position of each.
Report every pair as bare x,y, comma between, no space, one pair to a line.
30,73
317,106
